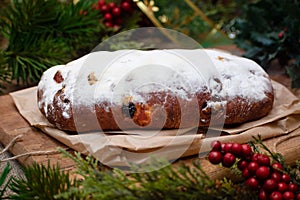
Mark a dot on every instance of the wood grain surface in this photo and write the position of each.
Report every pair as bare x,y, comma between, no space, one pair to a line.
13,124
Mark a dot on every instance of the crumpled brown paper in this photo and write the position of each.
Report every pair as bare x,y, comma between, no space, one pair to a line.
120,149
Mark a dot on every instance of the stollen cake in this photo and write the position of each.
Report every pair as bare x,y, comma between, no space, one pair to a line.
155,89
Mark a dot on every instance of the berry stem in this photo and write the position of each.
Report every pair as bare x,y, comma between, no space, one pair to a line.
276,156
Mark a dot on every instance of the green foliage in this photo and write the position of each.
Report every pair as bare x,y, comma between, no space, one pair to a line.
270,29
182,18
258,144
4,72
4,180
158,182
42,182
295,173
293,71
45,33
155,180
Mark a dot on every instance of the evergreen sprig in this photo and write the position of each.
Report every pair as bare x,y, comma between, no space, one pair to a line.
43,33
295,172
169,182
155,180
4,180
258,144
42,182
4,72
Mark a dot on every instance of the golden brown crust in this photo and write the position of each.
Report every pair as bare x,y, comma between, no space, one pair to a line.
161,111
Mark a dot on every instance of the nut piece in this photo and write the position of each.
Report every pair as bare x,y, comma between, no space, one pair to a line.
221,58
58,77
92,78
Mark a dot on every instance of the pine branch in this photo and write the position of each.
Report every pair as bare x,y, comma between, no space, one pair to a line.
27,59
42,182
45,33
4,180
4,72
155,180
182,182
79,32
168,182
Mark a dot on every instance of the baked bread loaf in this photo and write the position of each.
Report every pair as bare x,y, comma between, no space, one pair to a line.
157,89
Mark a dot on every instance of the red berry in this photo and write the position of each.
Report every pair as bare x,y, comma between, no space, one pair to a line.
111,5
215,157
108,17
126,6
116,11
227,147
263,159
286,178
252,167
228,160
275,196
252,183
293,187
222,146
254,157
242,164
236,149
108,24
246,173
262,172
288,195
277,167
270,185
104,8
276,176
298,196
216,146
280,35
282,187
101,2
263,195
246,151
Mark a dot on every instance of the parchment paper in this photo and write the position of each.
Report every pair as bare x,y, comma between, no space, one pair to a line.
122,148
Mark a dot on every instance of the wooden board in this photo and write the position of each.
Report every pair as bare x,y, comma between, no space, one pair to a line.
13,124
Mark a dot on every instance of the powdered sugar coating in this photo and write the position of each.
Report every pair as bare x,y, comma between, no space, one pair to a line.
113,76
240,77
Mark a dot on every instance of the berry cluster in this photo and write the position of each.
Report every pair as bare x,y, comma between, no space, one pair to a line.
113,13
269,179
